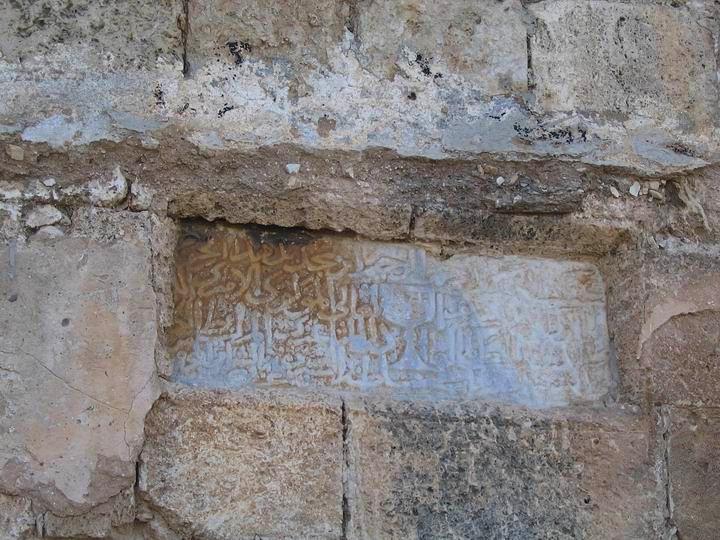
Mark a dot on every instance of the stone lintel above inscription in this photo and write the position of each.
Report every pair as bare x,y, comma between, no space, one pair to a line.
263,307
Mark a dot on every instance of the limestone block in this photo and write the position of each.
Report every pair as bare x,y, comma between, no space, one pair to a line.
483,42
77,370
234,31
693,458
625,59
122,34
244,466
465,471
261,306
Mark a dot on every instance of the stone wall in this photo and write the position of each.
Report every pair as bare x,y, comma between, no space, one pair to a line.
359,269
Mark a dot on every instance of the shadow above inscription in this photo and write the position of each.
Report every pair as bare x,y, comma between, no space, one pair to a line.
256,306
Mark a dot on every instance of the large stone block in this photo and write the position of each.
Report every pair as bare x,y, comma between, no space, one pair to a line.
483,42
624,59
110,33
270,307
694,471
465,471
77,368
245,466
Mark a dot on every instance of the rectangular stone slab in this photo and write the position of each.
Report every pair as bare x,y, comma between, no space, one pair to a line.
260,306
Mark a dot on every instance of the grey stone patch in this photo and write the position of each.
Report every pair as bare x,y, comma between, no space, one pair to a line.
660,148
135,122
43,215
58,131
6,129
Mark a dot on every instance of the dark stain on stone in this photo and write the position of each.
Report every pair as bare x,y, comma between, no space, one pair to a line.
424,64
13,297
412,96
558,135
680,148
159,95
325,125
238,49
277,236
226,108
65,322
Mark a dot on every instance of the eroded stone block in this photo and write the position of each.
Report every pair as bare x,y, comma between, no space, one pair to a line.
463,471
77,368
484,42
128,33
625,59
271,307
694,471
245,466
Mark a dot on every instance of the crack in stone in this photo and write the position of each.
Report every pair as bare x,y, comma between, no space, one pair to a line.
667,487
346,517
132,404
66,383
184,26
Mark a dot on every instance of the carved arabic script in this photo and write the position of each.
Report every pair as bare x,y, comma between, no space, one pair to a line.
335,311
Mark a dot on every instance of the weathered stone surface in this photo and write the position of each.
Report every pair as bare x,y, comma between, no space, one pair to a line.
452,82
628,60
662,313
243,466
99,522
464,471
16,517
238,30
266,306
693,458
683,356
125,34
421,39
77,371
